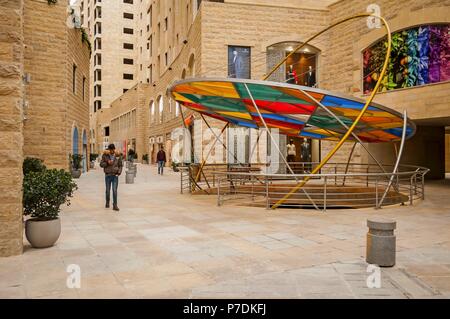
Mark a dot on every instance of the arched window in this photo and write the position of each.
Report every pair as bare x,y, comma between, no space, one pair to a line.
420,55
75,141
152,112
161,108
300,68
191,66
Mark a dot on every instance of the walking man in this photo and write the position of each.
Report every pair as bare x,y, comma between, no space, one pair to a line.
112,166
161,158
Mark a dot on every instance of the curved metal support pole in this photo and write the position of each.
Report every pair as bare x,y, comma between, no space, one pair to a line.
397,163
275,144
363,110
361,15
348,162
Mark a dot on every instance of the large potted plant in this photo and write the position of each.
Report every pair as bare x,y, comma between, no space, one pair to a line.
75,161
43,194
93,158
145,159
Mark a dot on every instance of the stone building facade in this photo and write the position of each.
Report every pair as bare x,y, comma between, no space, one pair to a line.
212,27
44,100
11,126
57,61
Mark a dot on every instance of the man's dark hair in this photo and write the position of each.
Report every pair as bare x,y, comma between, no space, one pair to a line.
111,147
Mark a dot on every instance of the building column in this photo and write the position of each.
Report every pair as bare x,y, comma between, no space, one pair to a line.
11,127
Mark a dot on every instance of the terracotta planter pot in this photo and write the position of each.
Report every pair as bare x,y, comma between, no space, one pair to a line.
76,173
42,233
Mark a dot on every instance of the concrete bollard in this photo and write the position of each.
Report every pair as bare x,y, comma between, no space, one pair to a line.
129,177
380,249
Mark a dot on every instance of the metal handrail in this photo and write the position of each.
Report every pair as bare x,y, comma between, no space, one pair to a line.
370,184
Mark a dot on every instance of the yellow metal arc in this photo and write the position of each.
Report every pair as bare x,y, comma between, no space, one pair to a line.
363,110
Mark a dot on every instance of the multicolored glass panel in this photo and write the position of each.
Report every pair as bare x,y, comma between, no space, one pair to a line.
420,55
288,109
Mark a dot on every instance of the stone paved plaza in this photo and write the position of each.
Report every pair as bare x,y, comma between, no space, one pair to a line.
166,245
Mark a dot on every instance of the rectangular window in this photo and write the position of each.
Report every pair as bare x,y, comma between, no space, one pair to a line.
74,78
166,24
128,46
97,75
98,44
97,105
97,59
128,61
128,31
239,62
166,59
97,28
128,1
84,87
127,76
125,90
127,15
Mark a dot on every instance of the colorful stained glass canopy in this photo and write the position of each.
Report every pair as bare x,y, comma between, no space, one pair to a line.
287,108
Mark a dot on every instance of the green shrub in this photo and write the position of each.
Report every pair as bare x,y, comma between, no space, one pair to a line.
145,157
44,192
93,157
31,164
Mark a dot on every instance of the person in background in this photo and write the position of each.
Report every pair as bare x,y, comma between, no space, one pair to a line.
161,158
112,165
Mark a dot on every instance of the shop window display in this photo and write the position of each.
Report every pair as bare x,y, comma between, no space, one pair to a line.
420,55
300,68
239,62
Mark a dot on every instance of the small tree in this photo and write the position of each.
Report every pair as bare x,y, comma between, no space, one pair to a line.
44,192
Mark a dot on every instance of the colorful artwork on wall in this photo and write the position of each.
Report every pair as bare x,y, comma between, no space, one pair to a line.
420,55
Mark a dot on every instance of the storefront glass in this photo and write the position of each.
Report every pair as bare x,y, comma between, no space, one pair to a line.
300,68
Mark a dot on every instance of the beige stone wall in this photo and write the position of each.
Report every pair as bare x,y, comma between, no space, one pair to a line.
54,109
11,127
257,27
132,108
77,112
447,151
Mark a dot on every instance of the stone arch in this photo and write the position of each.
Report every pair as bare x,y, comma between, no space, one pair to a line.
191,66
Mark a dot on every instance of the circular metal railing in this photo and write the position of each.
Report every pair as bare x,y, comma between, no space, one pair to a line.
337,185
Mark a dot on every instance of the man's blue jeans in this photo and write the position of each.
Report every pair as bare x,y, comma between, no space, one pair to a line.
111,180
161,167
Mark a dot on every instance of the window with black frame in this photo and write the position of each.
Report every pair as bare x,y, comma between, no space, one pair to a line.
239,62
